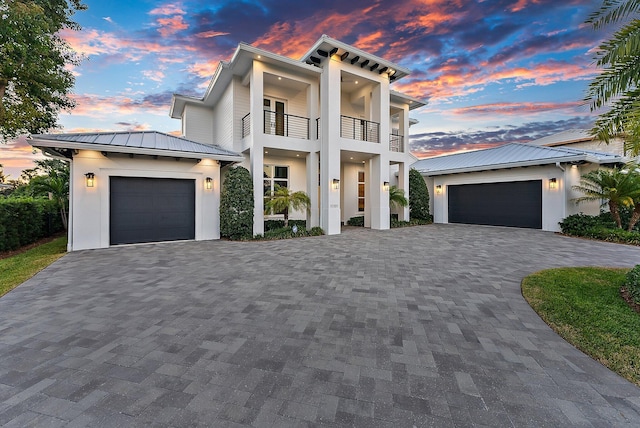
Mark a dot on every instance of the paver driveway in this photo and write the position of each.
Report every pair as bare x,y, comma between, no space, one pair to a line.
419,326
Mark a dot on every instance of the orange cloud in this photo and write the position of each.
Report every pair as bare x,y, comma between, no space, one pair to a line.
170,26
155,75
423,152
515,108
100,106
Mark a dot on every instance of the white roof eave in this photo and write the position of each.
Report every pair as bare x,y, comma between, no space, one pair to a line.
40,143
536,162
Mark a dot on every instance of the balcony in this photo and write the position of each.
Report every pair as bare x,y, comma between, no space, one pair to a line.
396,143
286,125
359,129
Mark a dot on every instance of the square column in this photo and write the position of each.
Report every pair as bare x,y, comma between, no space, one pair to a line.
403,183
330,148
256,97
313,216
380,214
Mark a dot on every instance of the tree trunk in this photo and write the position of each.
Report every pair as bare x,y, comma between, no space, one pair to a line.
286,217
635,216
615,213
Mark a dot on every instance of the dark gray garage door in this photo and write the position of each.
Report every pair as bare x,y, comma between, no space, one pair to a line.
516,204
151,210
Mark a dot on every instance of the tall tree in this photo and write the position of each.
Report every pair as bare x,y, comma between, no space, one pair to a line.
418,196
35,79
616,87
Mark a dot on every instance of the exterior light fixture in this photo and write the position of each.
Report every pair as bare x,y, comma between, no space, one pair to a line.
385,186
553,183
90,179
335,184
439,189
208,183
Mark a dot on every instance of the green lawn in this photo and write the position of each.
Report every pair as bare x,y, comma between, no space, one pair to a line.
584,306
17,269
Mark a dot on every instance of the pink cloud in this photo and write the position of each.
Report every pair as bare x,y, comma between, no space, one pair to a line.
98,106
168,9
515,108
209,34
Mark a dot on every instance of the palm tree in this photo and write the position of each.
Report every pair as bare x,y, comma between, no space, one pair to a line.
618,85
634,177
613,186
281,200
397,198
58,187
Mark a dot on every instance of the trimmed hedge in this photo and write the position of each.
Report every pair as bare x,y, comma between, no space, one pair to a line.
632,283
418,197
287,232
601,227
356,221
413,222
279,224
25,220
236,204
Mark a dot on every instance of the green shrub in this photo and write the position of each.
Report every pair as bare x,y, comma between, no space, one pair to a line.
287,232
613,235
236,204
395,223
579,224
418,196
356,221
632,283
278,224
25,220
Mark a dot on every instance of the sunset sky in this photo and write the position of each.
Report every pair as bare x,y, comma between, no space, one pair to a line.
494,71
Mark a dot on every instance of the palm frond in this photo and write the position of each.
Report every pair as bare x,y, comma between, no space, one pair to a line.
613,11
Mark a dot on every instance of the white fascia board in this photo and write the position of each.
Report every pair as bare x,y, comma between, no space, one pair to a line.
537,162
413,102
352,49
272,58
107,148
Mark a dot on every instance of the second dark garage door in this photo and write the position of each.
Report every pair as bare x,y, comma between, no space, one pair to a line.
151,210
516,204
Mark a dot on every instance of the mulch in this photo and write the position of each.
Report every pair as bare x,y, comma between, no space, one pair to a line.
7,254
624,293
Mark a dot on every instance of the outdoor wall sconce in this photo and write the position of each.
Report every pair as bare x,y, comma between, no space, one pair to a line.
336,184
439,189
385,186
207,183
553,183
90,179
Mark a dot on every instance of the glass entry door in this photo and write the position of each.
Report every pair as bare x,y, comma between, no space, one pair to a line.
274,117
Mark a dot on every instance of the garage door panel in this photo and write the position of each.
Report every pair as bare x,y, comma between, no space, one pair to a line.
515,204
151,210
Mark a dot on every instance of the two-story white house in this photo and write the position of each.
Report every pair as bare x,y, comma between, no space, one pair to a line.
328,124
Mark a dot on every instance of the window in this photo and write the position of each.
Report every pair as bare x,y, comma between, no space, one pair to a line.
361,191
273,175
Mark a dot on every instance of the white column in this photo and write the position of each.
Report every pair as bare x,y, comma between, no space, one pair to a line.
256,150
379,197
313,216
403,183
330,148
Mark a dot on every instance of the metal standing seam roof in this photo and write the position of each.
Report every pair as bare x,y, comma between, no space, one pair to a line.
564,137
136,142
509,155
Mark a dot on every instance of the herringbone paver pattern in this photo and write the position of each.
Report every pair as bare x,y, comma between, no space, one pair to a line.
421,326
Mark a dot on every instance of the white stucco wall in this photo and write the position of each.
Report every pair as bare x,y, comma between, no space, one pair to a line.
89,225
